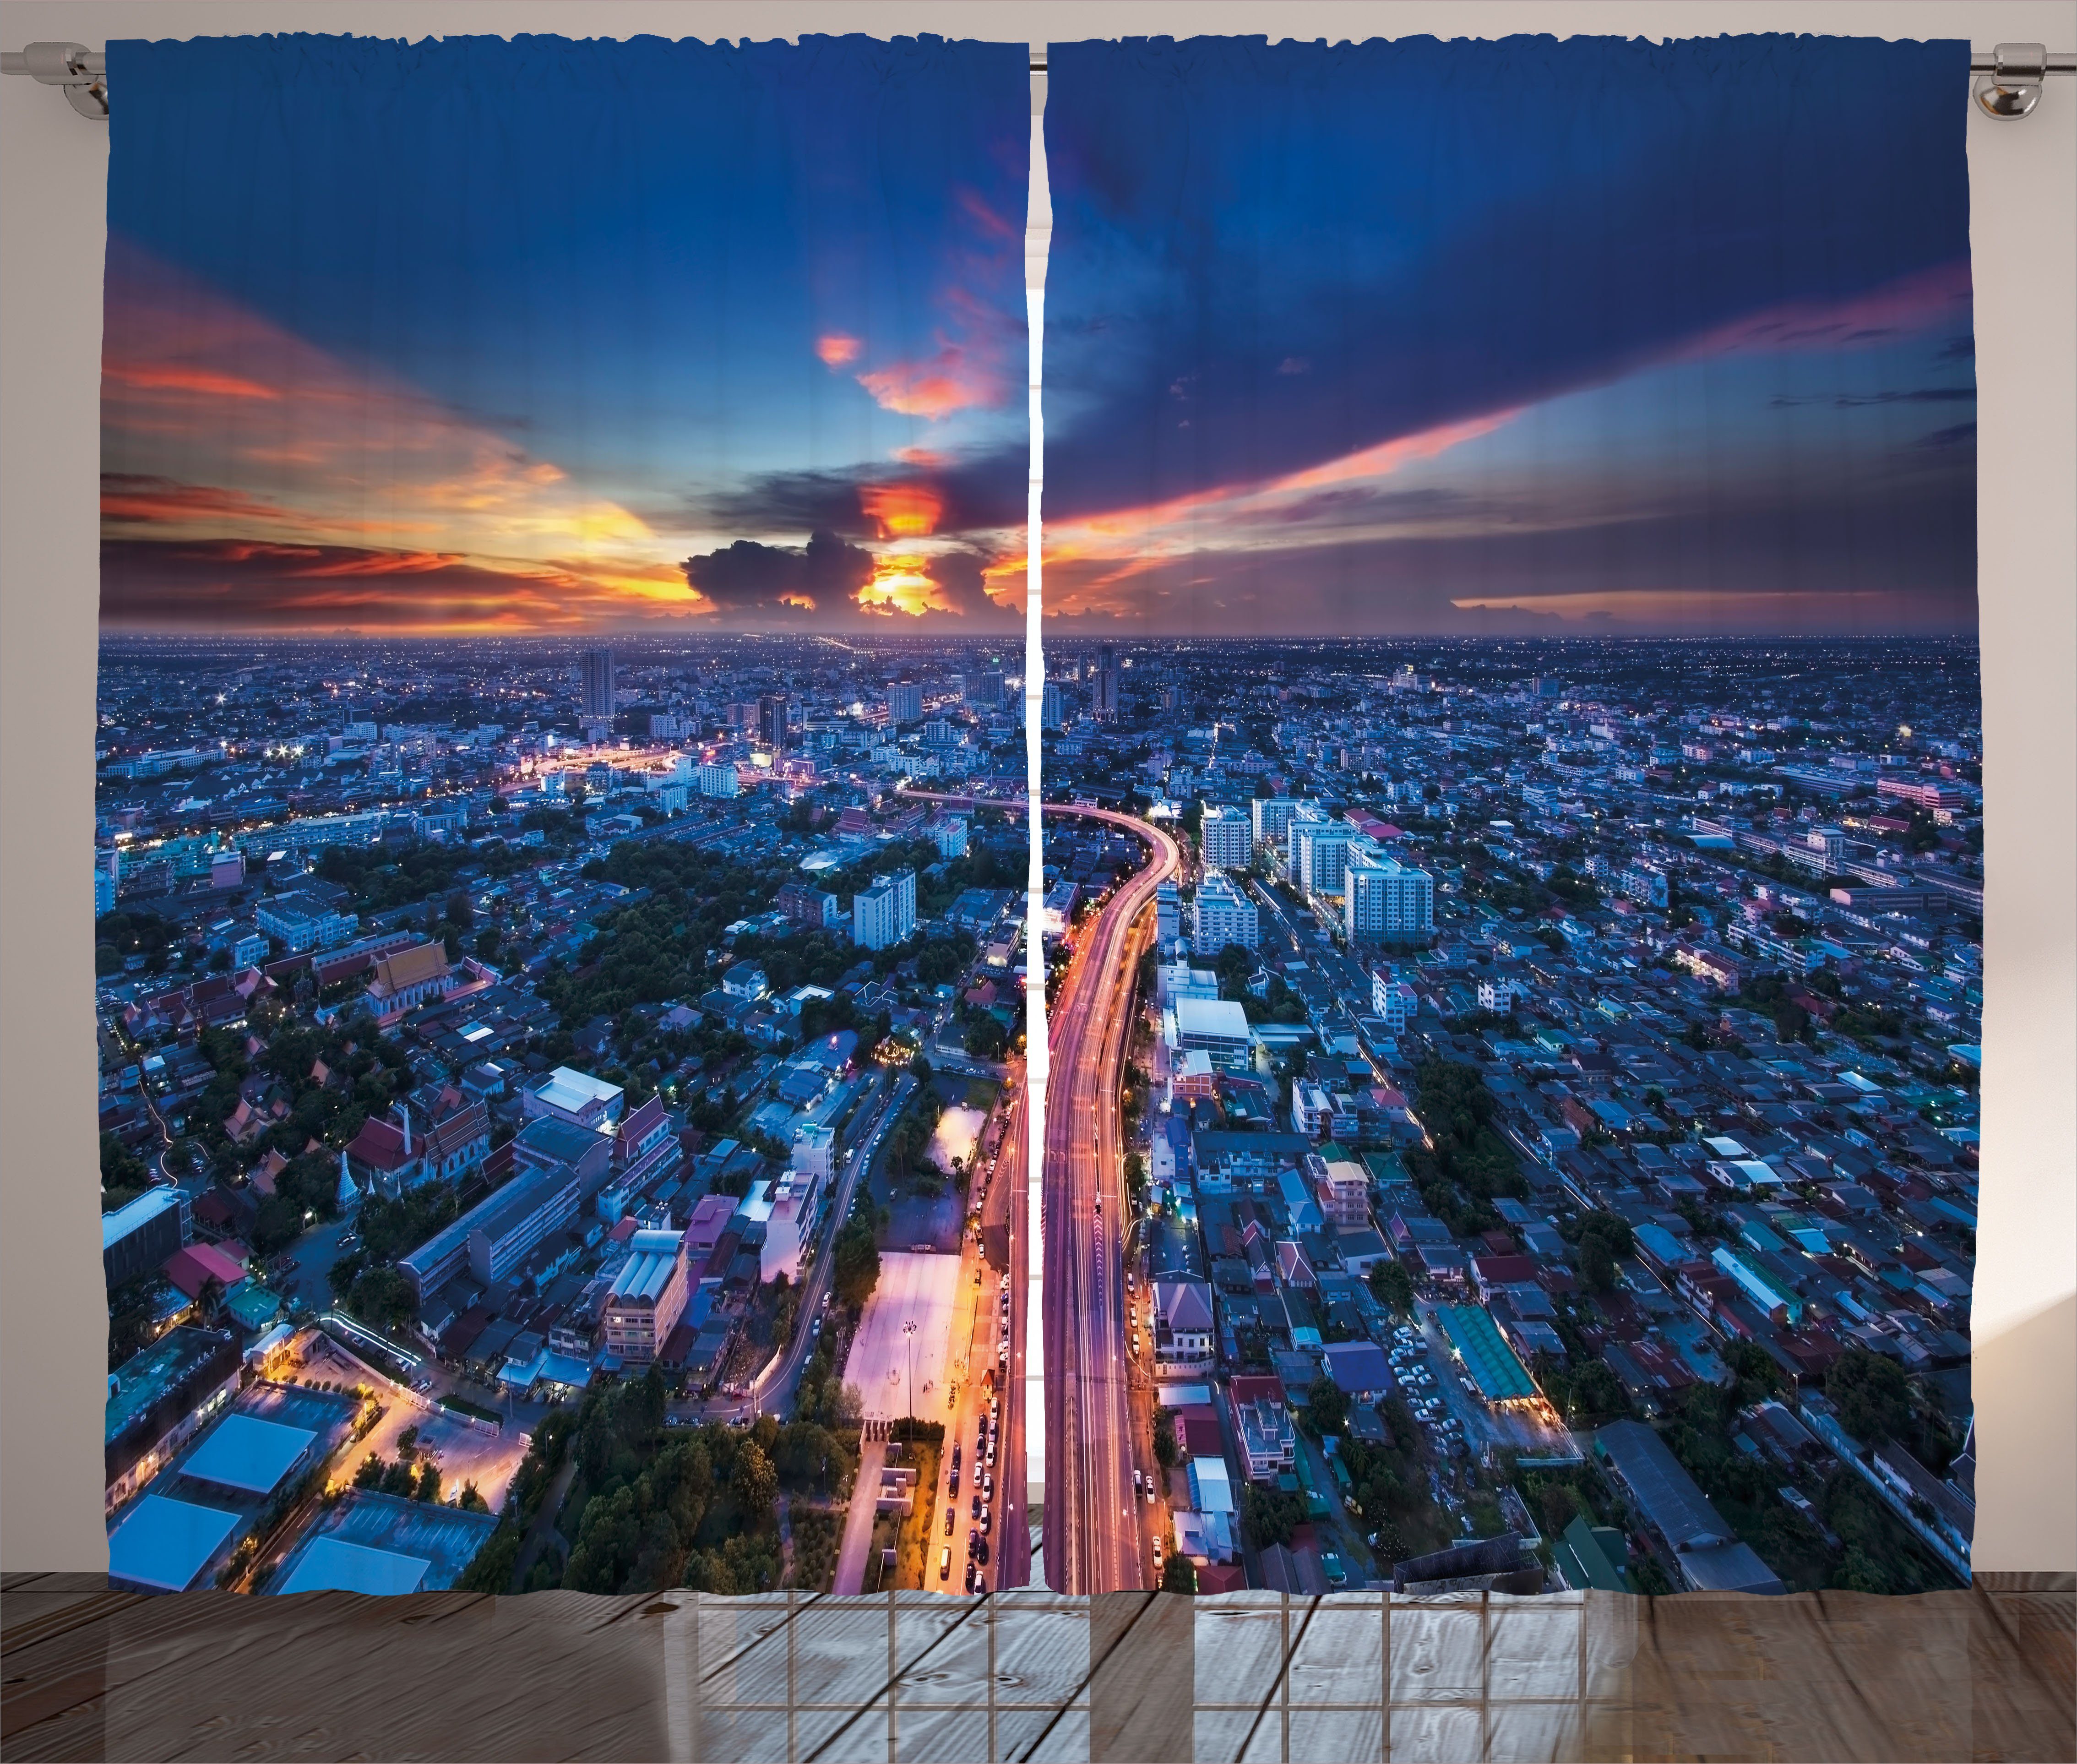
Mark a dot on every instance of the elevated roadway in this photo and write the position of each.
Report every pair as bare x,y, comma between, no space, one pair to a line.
1093,1525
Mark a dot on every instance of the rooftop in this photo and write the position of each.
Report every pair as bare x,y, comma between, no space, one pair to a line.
368,1538
1501,1377
117,1225
245,1453
164,1545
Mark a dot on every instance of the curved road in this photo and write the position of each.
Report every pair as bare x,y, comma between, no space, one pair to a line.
1092,1523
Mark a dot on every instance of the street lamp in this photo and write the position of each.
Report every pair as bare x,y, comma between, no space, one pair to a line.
909,1330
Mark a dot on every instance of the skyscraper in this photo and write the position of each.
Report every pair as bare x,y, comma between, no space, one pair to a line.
984,691
596,669
1103,701
772,711
905,702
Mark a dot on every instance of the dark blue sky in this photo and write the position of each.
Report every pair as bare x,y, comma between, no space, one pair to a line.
1434,336
481,333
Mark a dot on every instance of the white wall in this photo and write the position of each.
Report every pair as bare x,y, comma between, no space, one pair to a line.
2024,228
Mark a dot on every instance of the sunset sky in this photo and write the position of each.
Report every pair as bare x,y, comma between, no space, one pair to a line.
1520,337
543,335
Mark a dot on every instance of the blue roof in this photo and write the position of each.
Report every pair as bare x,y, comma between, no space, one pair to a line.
165,1545
247,1454
333,1564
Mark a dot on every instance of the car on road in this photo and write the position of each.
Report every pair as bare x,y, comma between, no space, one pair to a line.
977,1504
951,1519
945,1563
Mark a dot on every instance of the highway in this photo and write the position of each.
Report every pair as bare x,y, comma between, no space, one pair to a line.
1094,1538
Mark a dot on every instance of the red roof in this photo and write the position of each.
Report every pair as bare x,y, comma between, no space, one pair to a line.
194,1266
1504,1270
1198,1430
1245,1387
380,1145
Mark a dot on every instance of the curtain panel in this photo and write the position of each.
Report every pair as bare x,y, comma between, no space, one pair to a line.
558,495
1511,810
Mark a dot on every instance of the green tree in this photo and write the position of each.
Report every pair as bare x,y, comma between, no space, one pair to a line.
1871,1394
1392,1287
755,1484
1269,1516
428,1487
1164,1438
1326,1407
1177,1575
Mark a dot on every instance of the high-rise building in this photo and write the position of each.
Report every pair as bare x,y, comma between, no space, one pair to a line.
983,691
1226,838
950,834
1049,706
719,779
1104,691
884,914
1272,818
1317,849
1224,916
905,702
1383,900
1167,915
596,671
772,712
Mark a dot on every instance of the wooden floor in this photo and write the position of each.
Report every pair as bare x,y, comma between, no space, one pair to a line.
1984,1674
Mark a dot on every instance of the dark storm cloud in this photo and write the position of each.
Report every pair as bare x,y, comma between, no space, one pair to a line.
254,586
747,577
974,496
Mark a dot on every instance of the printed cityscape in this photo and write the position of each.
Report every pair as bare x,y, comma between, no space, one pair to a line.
1511,1118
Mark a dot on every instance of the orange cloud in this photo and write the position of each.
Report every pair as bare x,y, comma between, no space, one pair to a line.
921,458
903,585
836,349
170,376
952,380
902,510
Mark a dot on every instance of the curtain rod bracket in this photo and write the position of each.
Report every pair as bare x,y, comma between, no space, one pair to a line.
2012,76
82,72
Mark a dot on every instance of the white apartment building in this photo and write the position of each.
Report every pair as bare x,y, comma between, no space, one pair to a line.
1317,850
1226,838
1224,915
1383,900
884,914
718,779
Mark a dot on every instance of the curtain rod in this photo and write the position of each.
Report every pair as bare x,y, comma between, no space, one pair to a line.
2008,86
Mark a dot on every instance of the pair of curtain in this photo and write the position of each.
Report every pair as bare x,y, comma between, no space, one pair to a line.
1503,697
